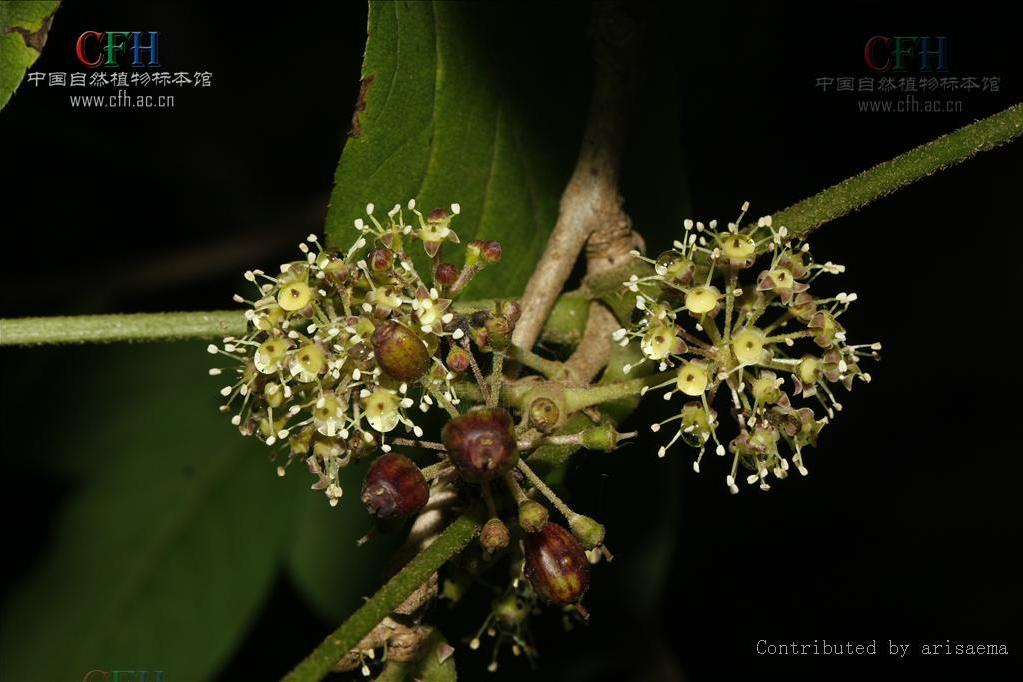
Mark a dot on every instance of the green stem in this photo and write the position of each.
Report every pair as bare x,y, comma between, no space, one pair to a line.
883,179
30,331
34,331
578,398
449,543
552,369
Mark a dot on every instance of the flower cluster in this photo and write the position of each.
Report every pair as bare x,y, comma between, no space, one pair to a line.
712,330
344,346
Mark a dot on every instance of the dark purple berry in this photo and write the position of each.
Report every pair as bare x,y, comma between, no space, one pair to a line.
394,487
481,443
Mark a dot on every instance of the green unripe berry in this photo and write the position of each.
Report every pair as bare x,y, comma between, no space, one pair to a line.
587,531
532,516
602,438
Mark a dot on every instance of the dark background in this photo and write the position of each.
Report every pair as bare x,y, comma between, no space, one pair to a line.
908,526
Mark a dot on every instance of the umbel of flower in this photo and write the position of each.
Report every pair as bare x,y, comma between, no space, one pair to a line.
344,345
729,316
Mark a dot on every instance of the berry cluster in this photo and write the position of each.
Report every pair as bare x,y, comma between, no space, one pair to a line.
344,344
713,331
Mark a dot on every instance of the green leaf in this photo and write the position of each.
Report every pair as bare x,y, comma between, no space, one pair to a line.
23,29
167,549
451,111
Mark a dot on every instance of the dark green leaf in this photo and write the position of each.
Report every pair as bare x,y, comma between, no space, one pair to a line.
453,110
166,551
23,28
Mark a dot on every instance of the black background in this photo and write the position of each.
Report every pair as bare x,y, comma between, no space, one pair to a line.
908,526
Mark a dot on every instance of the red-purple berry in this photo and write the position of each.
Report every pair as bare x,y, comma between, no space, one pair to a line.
556,565
394,487
400,352
481,443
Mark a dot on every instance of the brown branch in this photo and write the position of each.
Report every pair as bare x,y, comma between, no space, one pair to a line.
591,202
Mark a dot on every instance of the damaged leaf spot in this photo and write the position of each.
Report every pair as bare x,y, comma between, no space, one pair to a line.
33,39
360,105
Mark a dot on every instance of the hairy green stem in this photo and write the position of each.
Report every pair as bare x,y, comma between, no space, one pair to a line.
31,331
545,490
35,331
451,541
849,195
578,398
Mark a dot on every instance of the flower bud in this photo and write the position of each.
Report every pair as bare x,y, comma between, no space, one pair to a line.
587,531
446,274
400,352
499,331
532,516
481,443
394,487
492,252
381,260
494,536
458,360
556,565
438,215
543,414
511,310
